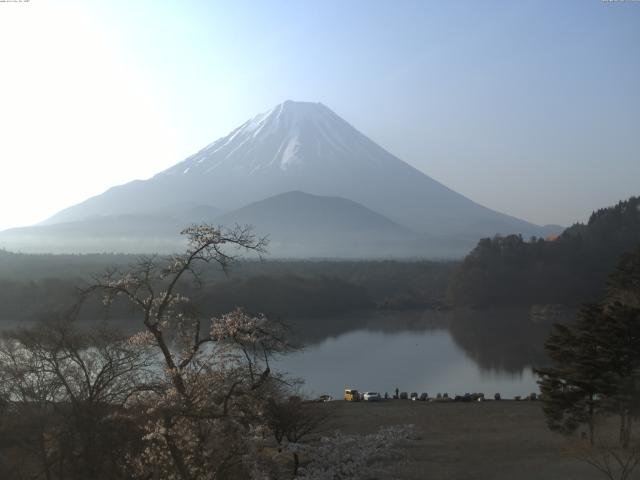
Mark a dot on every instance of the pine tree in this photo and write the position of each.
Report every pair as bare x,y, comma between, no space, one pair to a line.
596,361
573,389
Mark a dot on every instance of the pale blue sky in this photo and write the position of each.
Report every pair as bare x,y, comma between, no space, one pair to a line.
530,108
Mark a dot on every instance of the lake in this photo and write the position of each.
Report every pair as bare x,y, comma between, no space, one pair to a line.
456,352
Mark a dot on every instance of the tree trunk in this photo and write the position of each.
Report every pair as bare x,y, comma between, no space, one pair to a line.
627,430
176,454
296,463
44,456
591,424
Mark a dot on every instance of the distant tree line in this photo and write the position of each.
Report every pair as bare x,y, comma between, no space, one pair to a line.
25,266
569,269
33,286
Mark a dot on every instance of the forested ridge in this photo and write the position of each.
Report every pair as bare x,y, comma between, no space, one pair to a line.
500,271
33,286
569,269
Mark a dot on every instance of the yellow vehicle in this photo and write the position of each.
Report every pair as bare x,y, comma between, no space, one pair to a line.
351,395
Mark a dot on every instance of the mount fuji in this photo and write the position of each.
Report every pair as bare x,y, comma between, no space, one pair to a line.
295,147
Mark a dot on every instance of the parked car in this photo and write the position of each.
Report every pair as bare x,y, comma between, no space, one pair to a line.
371,396
414,396
351,395
403,395
424,396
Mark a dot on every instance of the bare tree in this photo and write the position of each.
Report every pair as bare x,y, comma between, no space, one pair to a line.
294,421
216,371
67,388
613,460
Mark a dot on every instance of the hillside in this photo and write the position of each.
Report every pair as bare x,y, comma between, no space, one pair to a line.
569,269
303,225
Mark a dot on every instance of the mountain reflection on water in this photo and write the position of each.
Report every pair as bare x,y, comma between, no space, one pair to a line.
454,351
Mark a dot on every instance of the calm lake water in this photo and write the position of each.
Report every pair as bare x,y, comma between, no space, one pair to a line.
453,352
459,351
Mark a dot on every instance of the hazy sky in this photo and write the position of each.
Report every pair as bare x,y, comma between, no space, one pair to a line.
530,108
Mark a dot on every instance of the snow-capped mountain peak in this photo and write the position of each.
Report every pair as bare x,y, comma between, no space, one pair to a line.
286,137
304,146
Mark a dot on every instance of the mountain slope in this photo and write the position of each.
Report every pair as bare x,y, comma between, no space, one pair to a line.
297,224
137,233
307,147
303,225
297,210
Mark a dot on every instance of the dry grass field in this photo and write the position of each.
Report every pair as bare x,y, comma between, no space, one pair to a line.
468,441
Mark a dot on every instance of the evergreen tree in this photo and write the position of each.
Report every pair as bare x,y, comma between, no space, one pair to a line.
596,361
573,389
